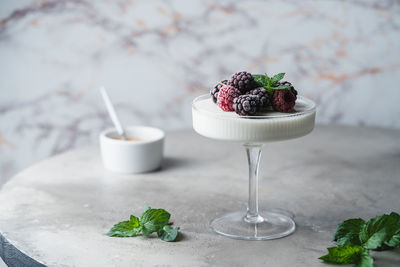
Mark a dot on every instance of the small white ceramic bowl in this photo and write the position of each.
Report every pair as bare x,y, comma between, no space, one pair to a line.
132,156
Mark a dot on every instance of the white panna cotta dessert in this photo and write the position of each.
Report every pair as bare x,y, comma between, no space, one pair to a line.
253,109
210,121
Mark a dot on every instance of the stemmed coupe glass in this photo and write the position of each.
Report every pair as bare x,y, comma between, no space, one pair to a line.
253,132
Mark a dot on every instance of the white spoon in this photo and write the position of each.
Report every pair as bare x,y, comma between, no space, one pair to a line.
113,115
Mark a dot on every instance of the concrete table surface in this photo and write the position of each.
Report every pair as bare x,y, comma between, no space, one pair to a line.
58,210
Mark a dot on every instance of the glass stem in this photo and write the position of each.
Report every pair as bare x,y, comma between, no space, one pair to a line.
253,157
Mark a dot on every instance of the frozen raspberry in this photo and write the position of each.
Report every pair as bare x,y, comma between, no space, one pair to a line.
246,105
215,90
264,96
283,100
226,96
294,91
243,81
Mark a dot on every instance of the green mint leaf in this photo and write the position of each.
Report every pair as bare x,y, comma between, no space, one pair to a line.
147,207
276,78
281,87
394,241
343,254
378,230
395,216
168,233
153,220
267,80
259,79
348,232
365,259
126,228
269,89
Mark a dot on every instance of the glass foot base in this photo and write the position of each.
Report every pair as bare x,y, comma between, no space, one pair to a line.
270,225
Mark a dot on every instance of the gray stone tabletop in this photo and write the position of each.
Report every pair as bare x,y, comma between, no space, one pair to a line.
57,211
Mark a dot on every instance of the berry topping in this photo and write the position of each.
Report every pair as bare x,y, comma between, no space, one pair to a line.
226,96
215,90
294,91
243,81
246,105
283,100
264,96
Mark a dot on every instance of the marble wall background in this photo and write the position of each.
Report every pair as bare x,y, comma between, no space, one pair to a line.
154,57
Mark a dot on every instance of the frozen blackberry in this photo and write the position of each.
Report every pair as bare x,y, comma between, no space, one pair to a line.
246,105
243,81
264,96
288,84
283,100
215,90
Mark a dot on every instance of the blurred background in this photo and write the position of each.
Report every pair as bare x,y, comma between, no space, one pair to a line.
154,57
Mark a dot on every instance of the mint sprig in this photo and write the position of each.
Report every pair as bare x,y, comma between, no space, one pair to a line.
355,237
269,83
152,220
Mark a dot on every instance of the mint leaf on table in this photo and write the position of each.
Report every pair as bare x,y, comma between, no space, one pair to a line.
343,254
126,228
168,233
348,232
134,220
147,207
355,237
378,230
349,254
365,259
394,241
153,220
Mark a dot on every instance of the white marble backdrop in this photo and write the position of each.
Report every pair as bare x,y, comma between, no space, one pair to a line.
154,57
